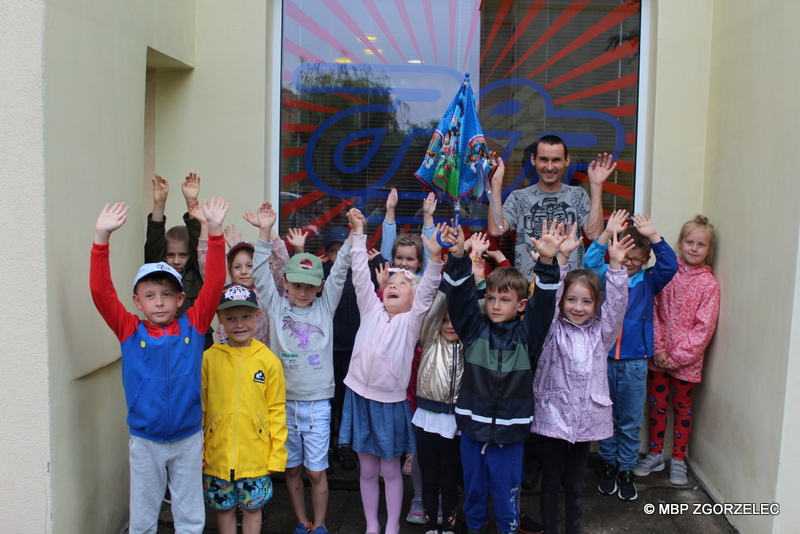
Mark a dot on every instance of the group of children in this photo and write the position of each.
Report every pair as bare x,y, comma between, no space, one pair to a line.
485,359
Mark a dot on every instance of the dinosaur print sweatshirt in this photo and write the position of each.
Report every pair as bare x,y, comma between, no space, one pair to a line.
302,337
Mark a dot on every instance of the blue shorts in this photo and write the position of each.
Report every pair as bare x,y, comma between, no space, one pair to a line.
250,493
309,424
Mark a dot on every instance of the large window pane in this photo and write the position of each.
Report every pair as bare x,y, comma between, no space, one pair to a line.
366,81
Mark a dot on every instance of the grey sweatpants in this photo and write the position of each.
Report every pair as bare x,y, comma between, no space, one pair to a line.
153,466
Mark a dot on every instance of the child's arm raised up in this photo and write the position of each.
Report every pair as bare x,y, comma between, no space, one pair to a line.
458,284
616,298
594,258
541,306
365,291
196,213
666,261
389,234
297,238
264,219
428,225
105,298
205,306
191,190
155,245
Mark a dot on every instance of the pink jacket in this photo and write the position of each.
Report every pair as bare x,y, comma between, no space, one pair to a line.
384,347
685,318
570,387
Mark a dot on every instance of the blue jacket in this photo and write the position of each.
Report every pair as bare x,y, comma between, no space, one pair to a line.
161,378
636,334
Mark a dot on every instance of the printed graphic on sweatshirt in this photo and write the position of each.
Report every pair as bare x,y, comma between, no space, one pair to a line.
302,331
259,377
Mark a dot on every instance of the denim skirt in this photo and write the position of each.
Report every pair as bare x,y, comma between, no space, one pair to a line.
383,429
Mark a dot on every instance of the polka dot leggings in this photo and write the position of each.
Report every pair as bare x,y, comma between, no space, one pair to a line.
661,388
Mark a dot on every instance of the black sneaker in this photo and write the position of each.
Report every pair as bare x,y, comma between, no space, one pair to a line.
528,525
348,458
608,482
627,489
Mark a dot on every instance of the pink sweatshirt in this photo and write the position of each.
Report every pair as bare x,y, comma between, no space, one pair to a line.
685,318
384,347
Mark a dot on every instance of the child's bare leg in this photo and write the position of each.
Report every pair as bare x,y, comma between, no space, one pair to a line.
297,493
226,521
319,496
251,521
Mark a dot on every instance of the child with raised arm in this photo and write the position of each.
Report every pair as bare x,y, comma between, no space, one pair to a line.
377,419
178,245
570,388
244,416
406,251
240,266
627,359
301,331
685,319
495,405
161,361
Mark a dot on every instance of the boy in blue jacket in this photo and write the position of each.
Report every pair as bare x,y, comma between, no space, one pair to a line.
627,360
161,360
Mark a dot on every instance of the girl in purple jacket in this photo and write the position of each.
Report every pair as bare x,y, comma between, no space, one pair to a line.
572,405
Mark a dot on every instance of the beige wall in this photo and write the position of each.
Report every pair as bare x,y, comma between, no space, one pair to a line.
743,449
24,391
95,58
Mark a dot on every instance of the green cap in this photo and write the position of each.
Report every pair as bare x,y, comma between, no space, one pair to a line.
304,268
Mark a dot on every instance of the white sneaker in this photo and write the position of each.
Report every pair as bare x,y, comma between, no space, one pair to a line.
677,473
651,463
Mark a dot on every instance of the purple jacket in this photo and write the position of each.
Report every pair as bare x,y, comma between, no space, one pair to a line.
570,388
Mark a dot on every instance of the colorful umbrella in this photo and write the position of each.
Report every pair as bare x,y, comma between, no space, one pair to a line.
456,164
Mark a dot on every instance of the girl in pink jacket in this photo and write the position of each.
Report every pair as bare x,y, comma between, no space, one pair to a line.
684,321
376,418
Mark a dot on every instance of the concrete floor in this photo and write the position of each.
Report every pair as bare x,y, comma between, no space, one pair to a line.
602,514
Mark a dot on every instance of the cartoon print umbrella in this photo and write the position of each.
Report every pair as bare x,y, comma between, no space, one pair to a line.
456,164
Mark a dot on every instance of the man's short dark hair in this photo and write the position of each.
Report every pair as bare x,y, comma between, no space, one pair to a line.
549,140
160,278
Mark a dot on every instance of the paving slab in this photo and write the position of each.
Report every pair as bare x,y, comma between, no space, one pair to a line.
673,508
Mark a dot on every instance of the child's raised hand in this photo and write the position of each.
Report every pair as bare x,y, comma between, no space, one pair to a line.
382,275
231,235
371,253
266,216
215,210
617,221
109,220
457,249
478,269
160,190
618,249
571,242
645,225
428,205
297,238
479,244
433,245
357,220
191,188
552,238
391,200
196,211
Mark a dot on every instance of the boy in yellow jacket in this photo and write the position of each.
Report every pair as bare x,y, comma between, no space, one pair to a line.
244,416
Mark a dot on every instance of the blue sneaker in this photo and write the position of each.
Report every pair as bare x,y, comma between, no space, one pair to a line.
320,530
300,529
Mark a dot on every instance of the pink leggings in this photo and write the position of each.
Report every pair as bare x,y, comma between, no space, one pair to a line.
660,388
371,467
